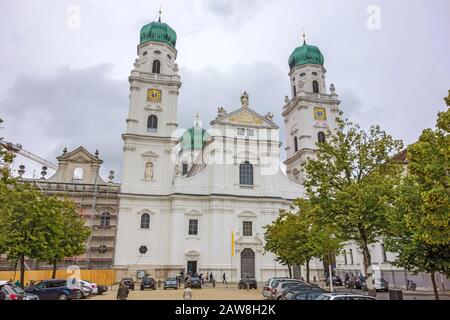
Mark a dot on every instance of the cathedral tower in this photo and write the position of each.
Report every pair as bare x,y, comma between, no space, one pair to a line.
152,117
310,112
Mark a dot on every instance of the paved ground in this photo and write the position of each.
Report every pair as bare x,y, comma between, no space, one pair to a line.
208,293
232,293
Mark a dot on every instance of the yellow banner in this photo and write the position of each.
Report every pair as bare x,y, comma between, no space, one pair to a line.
232,243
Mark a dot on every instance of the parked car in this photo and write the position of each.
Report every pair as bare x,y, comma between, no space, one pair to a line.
10,291
379,284
279,288
86,289
357,283
90,284
311,294
54,290
344,296
196,283
171,283
129,282
148,283
102,289
300,286
337,281
268,286
248,281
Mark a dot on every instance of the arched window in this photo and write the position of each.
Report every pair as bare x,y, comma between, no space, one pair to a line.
321,137
246,173
156,66
295,144
152,123
105,219
315,86
185,168
145,221
295,91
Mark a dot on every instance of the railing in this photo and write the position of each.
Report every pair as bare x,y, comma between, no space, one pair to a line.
157,76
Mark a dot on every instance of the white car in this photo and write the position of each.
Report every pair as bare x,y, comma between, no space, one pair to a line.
90,285
344,296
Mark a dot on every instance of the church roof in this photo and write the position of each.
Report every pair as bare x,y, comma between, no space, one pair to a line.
80,155
305,54
159,32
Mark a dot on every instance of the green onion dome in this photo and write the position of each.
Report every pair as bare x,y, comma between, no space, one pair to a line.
194,138
305,54
158,32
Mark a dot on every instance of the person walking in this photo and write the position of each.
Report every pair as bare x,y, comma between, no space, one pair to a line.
211,277
225,279
122,293
187,294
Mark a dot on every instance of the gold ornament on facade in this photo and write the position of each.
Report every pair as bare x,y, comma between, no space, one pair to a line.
154,95
245,118
320,114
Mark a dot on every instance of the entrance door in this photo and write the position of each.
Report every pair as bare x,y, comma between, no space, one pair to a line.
192,267
247,263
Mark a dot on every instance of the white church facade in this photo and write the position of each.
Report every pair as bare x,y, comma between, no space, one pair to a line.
200,202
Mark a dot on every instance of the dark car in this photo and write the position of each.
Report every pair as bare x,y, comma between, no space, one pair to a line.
337,281
129,282
297,287
196,283
54,290
171,283
148,283
102,289
248,281
357,283
304,295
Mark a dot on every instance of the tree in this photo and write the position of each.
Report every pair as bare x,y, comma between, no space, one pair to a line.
419,224
352,179
297,237
66,235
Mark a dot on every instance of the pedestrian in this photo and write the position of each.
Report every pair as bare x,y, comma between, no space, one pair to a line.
187,294
225,279
211,277
206,277
122,293
17,283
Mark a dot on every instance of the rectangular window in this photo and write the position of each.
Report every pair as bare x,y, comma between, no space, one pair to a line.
247,229
345,256
185,168
250,132
240,131
193,227
383,253
351,256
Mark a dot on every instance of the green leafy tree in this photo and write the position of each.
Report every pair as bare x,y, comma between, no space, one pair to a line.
352,179
66,235
420,218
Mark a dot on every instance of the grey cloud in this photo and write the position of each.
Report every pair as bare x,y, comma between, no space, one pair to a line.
71,108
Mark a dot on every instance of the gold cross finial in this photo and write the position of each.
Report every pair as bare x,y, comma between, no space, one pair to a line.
197,117
304,36
160,11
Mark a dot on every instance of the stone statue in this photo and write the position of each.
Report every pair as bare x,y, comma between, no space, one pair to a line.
286,99
221,112
148,171
332,88
269,116
244,99
177,169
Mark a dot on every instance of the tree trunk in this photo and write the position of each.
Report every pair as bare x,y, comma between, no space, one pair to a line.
307,270
433,281
54,269
290,271
367,261
22,269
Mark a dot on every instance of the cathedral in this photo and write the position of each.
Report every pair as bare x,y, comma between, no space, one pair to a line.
199,202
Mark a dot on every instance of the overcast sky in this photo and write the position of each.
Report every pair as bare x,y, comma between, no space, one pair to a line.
64,83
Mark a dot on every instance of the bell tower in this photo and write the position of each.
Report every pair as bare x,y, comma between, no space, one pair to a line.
310,112
152,117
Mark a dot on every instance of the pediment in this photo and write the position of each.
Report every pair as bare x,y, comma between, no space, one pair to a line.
79,155
247,117
249,241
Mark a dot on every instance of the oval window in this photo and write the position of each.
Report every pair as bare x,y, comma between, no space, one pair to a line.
157,52
302,74
169,57
145,53
314,73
